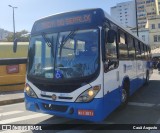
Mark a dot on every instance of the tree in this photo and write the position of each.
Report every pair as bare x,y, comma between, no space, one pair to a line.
22,36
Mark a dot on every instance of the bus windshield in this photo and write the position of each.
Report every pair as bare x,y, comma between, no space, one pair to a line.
64,55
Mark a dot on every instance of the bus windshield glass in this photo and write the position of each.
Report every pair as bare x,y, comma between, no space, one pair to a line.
64,55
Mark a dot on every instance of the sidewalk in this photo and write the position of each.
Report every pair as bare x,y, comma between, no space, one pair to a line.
11,97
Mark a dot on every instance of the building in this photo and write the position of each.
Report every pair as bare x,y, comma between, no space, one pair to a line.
147,9
143,34
3,34
159,6
154,32
125,13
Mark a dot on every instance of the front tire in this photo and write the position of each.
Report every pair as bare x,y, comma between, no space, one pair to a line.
125,95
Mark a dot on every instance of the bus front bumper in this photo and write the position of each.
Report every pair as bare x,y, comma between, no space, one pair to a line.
92,111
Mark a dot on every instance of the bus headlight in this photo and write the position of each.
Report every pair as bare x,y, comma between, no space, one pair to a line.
30,92
89,94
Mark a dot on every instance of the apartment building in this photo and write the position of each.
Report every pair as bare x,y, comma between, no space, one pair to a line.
143,34
125,14
154,32
147,9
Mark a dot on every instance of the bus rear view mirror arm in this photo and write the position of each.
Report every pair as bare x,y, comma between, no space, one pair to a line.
111,36
15,45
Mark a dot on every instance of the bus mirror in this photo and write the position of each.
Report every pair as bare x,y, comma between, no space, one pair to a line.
15,45
111,36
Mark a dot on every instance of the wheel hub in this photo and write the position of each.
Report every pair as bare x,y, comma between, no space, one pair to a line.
124,95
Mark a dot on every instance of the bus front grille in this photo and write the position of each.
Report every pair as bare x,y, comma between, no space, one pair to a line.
51,107
58,88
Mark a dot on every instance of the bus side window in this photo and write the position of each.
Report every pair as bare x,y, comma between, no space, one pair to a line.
138,51
142,51
123,48
145,52
131,48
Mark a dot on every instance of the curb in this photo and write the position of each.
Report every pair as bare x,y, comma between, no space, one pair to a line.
11,101
11,88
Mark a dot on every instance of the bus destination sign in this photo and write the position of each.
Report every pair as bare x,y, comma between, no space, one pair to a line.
66,21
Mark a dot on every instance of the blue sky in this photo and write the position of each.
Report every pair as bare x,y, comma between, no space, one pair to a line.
29,11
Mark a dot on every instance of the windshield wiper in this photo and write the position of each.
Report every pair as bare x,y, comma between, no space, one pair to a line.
64,40
69,36
47,40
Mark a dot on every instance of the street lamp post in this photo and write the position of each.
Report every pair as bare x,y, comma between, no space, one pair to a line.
136,17
14,36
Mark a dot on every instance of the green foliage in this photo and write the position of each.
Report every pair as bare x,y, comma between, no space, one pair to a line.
22,36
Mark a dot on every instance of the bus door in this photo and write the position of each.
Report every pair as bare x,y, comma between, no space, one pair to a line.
111,73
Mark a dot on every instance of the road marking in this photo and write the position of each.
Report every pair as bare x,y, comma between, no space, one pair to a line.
19,104
58,120
141,104
13,131
8,121
158,105
10,113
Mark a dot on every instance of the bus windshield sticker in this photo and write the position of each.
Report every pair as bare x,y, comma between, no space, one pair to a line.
48,75
58,75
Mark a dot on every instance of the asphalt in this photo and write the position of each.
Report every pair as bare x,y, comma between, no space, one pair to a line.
11,97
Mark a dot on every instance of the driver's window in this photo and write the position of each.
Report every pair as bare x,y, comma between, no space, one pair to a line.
111,50
111,54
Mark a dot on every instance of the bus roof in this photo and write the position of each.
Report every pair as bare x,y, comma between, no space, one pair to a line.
74,18
71,20
121,26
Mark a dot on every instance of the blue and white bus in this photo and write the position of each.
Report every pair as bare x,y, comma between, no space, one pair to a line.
83,65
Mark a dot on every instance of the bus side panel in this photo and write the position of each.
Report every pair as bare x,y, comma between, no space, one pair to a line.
135,72
111,101
140,73
112,90
131,72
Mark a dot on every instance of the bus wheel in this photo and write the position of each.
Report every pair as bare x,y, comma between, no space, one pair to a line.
125,95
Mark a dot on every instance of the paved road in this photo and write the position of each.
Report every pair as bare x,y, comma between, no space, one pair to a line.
143,108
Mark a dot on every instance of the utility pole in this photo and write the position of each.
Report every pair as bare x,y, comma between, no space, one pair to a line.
136,18
14,34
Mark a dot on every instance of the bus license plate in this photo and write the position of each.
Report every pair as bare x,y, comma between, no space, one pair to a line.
86,112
